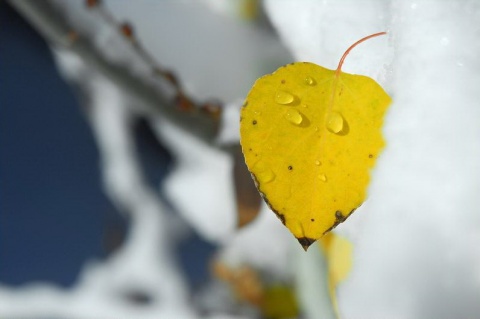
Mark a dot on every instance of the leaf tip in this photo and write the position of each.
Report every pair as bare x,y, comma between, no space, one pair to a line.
306,242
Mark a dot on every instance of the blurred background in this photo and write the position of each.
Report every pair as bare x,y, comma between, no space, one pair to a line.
54,215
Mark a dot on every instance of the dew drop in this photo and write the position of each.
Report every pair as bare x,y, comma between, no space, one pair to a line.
294,117
309,81
335,122
316,128
318,163
283,97
305,105
257,112
266,176
322,177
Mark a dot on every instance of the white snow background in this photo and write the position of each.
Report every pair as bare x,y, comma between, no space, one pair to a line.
416,239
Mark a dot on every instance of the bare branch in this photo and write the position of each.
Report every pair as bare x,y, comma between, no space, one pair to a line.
54,27
52,24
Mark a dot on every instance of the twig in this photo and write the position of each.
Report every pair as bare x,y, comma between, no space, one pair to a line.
54,27
47,19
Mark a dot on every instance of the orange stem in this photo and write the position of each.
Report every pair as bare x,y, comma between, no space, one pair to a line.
339,68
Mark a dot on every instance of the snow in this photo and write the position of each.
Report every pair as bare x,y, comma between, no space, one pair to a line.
270,241
201,184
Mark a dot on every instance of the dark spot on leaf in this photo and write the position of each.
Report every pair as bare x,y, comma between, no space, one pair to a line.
305,242
339,216
313,219
290,167
254,122
282,81
370,155
281,217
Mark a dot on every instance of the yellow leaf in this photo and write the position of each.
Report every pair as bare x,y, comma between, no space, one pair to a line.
310,135
338,252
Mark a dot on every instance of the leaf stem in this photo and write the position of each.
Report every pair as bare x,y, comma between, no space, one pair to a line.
339,67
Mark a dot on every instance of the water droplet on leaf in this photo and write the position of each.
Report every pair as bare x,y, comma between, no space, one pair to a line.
335,122
283,97
309,81
294,117
322,177
318,163
266,176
